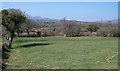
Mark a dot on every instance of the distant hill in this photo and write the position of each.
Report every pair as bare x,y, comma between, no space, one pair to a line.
42,20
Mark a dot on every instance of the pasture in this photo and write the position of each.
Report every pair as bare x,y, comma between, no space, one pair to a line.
63,53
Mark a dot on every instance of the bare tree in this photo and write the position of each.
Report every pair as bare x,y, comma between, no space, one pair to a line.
70,28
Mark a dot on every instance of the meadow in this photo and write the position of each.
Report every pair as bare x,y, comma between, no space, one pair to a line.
63,53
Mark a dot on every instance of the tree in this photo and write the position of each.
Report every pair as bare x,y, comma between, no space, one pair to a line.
110,30
11,20
92,28
103,31
113,29
77,29
70,28
29,25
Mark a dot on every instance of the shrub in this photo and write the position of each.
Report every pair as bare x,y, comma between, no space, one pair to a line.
102,32
92,28
109,30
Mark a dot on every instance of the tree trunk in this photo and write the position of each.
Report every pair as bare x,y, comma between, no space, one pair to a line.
10,42
27,32
21,33
18,33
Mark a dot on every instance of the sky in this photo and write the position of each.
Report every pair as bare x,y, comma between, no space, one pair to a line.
60,0
82,11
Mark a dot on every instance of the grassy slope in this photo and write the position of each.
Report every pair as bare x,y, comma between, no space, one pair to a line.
63,53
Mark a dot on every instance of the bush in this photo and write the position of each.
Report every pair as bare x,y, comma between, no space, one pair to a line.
92,28
102,32
109,30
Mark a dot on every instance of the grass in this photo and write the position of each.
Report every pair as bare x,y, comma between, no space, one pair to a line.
0,40
63,53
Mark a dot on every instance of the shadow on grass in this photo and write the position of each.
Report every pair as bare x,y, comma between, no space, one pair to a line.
29,40
34,44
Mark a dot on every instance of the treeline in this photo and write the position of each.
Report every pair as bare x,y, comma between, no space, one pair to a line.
64,27
68,28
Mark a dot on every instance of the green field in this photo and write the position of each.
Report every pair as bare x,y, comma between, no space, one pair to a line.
63,53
